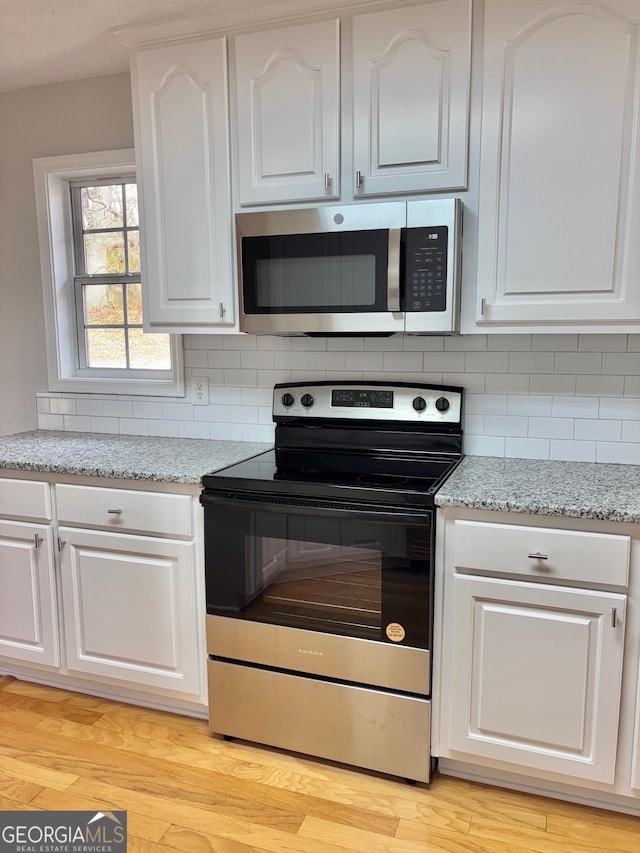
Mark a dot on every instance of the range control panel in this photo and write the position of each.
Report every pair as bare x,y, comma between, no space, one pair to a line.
368,401
426,268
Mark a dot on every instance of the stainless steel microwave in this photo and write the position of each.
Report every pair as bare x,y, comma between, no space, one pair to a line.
353,269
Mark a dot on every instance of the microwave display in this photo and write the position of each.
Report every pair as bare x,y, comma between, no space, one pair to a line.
426,268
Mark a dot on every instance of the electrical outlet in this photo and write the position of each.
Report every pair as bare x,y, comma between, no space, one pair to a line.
200,391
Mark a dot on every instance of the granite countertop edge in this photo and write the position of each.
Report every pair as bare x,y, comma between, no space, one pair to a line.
587,490
122,457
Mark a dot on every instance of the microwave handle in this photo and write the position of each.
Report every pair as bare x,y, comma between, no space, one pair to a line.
393,270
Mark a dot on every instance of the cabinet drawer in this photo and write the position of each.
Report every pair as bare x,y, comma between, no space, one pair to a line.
542,552
121,509
25,499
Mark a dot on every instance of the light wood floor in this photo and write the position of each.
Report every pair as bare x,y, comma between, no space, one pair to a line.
186,791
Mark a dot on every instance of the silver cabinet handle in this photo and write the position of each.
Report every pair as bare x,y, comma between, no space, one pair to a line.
327,181
538,556
38,540
114,511
222,310
483,306
614,617
359,179
61,543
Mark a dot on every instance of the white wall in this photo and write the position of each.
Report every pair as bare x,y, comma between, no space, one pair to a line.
65,118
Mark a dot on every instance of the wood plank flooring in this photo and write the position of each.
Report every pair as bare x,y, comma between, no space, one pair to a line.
186,791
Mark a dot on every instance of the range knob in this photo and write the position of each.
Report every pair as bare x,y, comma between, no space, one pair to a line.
287,399
307,400
419,404
442,404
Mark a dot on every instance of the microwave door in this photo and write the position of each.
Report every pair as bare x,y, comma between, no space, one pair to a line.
322,282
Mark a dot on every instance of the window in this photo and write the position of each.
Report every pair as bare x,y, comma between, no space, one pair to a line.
89,234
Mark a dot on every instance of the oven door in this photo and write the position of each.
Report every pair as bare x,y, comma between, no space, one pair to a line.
336,568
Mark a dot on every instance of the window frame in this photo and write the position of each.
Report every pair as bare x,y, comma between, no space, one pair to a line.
53,177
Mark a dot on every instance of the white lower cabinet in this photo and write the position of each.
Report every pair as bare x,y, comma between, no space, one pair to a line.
536,671
130,608
105,592
28,618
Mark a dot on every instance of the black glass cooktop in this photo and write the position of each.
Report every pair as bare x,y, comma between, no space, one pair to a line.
382,480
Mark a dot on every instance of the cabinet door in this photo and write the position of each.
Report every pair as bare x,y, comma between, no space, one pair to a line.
559,210
535,675
28,618
411,71
287,84
130,609
182,149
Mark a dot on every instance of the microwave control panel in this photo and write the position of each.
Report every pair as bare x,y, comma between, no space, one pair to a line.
426,268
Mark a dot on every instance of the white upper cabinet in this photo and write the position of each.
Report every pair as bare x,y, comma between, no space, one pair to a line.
182,149
411,70
288,105
559,212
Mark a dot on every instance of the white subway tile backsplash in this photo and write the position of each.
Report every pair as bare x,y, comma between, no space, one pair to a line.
527,448
486,404
484,445
529,404
573,451
133,426
549,383
169,429
444,362
624,363
406,362
487,362
618,452
574,407
554,343
506,425
625,408
62,406
46,421
506,383
600,386
551,427
578,362
597,430
191,429
531,362
509,343
119,408
108,425
632,386
327,361
538,396
630,431
365,361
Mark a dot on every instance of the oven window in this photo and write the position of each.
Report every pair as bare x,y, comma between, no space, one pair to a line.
328,572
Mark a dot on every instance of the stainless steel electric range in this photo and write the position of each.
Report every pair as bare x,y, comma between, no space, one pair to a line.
319,574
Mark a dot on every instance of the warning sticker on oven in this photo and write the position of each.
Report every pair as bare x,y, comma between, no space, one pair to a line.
395,632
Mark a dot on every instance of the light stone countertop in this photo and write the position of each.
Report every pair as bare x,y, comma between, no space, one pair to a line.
576,489
128,457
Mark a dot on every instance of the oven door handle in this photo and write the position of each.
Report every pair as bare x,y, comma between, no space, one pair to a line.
319,508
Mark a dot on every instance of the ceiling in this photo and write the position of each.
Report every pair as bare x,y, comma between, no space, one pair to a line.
48,41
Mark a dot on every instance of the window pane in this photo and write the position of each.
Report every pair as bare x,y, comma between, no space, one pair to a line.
104,253
131,191
106,348
102,207
103,304
134,303
149,352
134,251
